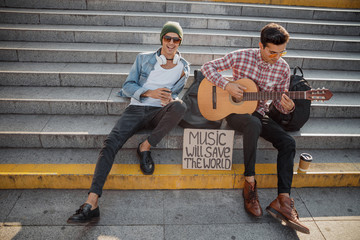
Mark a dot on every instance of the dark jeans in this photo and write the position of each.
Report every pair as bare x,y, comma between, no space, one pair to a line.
253,126
135,118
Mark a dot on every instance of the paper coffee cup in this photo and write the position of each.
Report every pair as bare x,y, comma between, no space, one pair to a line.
304,163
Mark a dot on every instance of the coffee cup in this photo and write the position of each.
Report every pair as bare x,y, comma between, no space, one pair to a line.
304,163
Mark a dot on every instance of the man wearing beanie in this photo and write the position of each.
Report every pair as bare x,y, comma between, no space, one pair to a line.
153,84
171,27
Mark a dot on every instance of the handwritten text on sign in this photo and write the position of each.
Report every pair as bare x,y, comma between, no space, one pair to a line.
208,149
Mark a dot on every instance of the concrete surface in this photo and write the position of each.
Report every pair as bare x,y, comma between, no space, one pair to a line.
330,213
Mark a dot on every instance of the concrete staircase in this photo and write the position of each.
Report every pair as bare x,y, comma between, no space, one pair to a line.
62,62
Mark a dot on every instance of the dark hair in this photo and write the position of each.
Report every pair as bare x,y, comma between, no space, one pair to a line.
274,33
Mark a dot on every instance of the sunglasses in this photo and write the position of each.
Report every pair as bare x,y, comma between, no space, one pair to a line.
175,39
274,54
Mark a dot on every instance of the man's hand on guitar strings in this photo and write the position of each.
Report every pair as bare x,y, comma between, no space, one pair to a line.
235,90
287,102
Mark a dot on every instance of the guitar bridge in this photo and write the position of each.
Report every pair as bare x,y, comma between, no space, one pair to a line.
214,97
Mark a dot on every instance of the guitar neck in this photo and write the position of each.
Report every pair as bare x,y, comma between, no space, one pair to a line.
256,96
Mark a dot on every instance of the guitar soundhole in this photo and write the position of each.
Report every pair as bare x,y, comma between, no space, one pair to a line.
235,101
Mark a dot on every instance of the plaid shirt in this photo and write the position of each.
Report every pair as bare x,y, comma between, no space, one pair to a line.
248,63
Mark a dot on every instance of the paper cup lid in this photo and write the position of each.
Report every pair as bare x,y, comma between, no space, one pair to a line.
306,157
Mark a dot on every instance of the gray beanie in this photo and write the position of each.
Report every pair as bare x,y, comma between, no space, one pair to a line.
171,27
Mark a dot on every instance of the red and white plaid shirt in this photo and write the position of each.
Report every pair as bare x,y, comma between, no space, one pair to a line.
248,63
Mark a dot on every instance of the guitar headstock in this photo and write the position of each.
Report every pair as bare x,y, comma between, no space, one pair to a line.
319,94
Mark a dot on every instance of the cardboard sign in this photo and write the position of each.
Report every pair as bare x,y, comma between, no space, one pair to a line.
208,149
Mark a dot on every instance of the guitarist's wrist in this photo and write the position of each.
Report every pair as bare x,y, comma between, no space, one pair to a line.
292,109
226,84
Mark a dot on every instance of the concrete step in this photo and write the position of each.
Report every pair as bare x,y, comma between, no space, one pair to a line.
63,74
82,131
161,156
103,101
61,100
340,105
150,35
73,168
170,176
113,76
218,8
192,21
125,54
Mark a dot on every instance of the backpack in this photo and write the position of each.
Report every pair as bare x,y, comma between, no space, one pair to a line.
295,120
192,117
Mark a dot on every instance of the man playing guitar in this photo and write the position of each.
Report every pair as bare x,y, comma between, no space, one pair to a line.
271,73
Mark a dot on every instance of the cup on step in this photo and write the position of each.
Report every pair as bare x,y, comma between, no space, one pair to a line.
304,163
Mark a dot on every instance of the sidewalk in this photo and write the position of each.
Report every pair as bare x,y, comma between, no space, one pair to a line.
330,213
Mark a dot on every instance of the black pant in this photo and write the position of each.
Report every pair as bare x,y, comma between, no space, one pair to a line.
135,118
253,126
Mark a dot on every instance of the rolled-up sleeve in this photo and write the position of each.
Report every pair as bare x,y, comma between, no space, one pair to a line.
211,69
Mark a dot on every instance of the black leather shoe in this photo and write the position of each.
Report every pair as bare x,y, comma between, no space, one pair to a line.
85,214
147,165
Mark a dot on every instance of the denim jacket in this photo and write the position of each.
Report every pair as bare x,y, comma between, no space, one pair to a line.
139,73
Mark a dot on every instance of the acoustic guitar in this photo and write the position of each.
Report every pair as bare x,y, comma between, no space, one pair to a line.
216,103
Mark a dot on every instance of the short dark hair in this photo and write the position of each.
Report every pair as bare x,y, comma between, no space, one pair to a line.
275,34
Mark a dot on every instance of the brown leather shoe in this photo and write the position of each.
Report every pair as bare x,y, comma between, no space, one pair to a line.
251,199
282,208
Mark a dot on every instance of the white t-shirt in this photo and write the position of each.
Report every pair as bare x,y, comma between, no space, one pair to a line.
159,78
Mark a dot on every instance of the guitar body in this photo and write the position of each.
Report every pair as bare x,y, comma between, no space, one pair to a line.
216,103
